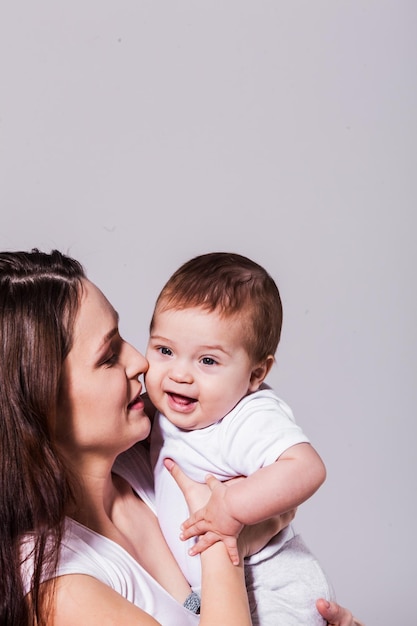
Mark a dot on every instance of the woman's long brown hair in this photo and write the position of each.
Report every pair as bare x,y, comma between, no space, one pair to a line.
39,299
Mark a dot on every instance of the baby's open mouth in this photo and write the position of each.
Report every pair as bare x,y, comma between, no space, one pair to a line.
181,400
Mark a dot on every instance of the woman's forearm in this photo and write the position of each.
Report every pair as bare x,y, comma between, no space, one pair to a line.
223,599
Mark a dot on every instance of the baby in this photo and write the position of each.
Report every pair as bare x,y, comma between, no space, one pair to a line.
213,337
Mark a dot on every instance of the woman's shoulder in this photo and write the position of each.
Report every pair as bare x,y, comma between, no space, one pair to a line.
82,551
81,599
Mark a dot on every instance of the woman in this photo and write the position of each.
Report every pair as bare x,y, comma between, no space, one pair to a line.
79,541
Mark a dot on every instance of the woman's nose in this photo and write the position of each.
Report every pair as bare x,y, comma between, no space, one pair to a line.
136,363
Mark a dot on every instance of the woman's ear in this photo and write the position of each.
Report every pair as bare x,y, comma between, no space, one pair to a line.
260,372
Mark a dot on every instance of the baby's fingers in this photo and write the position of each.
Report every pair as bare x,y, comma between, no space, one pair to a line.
204,542
192,528
231,546
210,538
194,519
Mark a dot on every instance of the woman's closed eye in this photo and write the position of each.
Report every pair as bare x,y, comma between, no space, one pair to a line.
111,360
112,354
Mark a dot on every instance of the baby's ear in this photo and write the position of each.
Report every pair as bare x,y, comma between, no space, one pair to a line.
260,372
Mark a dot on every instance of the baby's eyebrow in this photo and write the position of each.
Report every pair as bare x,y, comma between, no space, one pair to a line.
159,337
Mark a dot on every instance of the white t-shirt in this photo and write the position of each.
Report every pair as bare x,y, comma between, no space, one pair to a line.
84,551
254,434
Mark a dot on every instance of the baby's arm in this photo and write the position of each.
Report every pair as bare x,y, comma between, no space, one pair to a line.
271,490
276,488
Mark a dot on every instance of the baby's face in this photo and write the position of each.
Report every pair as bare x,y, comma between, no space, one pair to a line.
198,367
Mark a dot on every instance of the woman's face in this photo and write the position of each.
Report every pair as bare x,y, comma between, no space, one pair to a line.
100,409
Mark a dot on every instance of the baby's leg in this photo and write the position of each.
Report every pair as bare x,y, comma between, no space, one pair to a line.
283,589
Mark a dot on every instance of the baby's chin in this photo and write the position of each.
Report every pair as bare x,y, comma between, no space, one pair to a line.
187,422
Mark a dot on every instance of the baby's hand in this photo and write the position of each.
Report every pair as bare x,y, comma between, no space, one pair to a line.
213,523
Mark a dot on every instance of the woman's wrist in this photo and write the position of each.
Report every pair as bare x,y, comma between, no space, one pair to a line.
221,581
193,603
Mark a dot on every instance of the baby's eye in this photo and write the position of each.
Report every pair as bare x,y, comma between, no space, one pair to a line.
208,360
165,350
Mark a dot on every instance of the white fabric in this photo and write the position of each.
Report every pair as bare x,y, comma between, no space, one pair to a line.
283,590
86,552
254,434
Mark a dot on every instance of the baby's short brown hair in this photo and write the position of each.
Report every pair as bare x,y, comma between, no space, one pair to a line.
233,286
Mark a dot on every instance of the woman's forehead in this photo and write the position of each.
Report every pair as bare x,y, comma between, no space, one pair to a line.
96,316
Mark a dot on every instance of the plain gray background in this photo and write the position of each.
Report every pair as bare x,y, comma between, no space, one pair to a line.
136,134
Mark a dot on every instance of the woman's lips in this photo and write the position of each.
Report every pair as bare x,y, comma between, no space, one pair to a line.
136,404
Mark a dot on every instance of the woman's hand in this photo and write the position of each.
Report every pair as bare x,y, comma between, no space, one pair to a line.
197,495
223,593
336,615
215,516
212,522
251,539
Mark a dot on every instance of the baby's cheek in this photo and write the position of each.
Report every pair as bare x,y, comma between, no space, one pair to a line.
152,381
